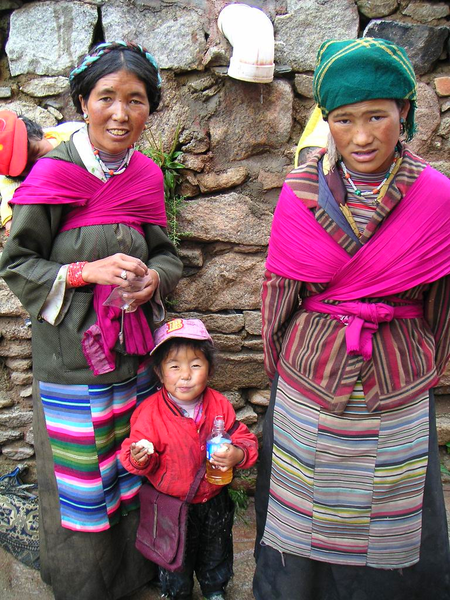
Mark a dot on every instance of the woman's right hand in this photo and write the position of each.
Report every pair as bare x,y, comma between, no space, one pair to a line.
109,270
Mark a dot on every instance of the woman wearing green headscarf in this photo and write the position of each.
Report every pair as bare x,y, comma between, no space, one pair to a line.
356,331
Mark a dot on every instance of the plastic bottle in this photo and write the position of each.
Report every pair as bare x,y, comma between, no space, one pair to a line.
214,443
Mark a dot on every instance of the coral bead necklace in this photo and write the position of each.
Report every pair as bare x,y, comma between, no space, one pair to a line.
113,164
375,191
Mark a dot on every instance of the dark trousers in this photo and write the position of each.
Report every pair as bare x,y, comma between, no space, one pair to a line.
209,550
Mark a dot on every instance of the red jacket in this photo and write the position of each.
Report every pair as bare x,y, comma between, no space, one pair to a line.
180,444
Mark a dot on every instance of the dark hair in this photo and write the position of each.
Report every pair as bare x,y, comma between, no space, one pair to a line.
35,133
204,346
108,58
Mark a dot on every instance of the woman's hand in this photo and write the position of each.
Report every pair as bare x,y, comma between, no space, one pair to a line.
118,269
227,458
147,286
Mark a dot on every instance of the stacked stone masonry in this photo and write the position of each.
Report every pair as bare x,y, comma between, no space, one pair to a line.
238,141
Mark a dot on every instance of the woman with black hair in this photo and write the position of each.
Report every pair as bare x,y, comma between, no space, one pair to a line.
88,239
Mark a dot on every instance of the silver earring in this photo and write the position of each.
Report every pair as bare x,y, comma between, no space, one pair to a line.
402,126
85,116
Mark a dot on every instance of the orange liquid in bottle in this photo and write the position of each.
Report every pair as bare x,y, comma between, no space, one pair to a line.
216,476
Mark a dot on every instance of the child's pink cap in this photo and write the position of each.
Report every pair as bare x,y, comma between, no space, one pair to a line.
191,329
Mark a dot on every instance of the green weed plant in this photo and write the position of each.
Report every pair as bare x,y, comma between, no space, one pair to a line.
171,168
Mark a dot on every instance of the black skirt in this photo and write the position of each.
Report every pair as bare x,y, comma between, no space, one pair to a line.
289,577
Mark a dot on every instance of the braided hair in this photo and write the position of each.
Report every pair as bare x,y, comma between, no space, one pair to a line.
111,57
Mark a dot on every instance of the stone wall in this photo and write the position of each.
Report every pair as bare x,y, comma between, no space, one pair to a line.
238,141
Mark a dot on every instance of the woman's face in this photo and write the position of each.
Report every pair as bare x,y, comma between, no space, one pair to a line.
117,109
366,133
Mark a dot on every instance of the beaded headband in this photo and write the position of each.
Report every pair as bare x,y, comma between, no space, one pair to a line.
106,47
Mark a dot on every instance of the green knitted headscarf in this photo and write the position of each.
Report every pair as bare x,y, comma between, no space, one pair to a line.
350,71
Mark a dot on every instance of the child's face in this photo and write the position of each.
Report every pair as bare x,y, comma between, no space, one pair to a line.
184,373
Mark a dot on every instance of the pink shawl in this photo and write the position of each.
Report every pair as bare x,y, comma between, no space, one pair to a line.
133,198
411,247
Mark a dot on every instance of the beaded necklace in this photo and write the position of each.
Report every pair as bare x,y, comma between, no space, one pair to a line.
113,164
375,191
380,189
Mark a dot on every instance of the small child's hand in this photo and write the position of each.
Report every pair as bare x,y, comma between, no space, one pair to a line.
141,450
227,457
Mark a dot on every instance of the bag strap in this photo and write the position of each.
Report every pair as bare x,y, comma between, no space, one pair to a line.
195,484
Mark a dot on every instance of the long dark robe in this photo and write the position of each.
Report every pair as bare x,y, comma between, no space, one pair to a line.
290,577
108,566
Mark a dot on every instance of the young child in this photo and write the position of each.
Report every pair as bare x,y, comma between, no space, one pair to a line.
167,444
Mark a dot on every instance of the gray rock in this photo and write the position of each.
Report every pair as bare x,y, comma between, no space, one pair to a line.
45,86
247,416
15,418
175,37
5,400
215,182
299,34
55,113
18,364
32,111
195,162
14,329
236,398
27,392
443,429
259,397
423,44
262,111
29,436
60,35
304,85
445,106
253,322
271,180
253,344
10,305
226,282
229,323
191,256
444,129
227,343
427,118
21,378
17,452
5,92
424,12
239,370
229,217
15,348
10,435
377,8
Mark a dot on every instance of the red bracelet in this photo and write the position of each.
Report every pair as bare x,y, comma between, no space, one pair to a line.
74,274
138,465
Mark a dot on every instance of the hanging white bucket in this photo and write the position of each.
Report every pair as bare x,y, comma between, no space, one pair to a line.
250,32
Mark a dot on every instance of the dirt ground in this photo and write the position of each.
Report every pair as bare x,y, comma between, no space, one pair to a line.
18,582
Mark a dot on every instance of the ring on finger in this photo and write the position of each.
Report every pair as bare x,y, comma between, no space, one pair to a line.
123,275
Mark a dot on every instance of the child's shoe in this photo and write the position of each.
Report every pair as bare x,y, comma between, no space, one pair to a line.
215,596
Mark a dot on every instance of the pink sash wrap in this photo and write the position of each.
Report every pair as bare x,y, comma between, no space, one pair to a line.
133,198
411,247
